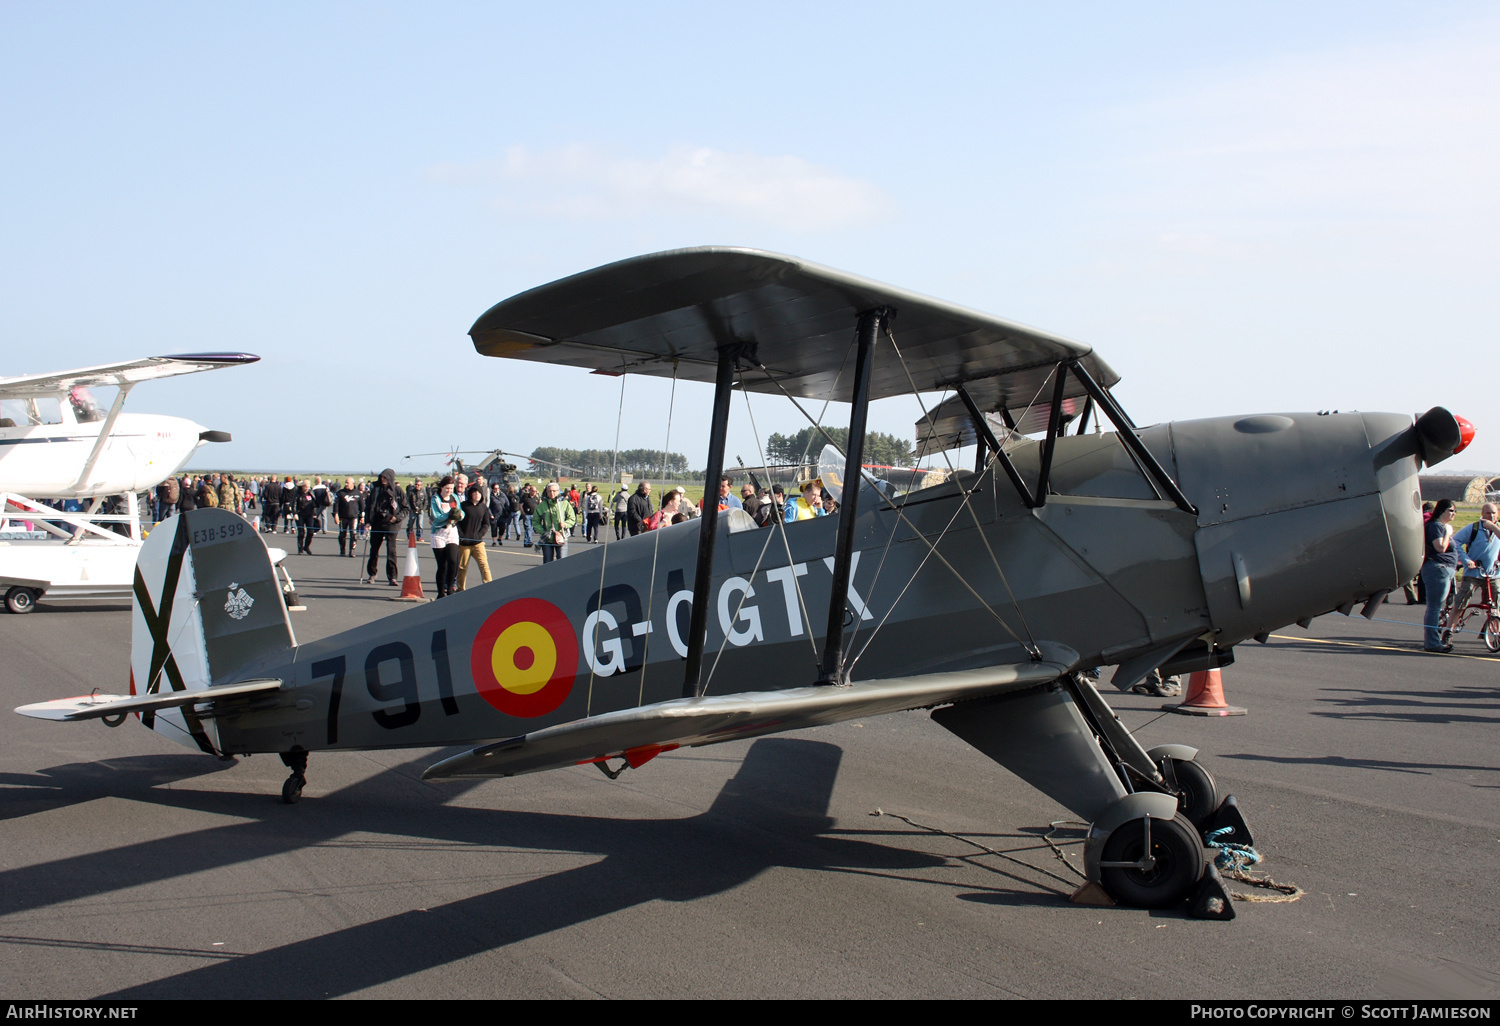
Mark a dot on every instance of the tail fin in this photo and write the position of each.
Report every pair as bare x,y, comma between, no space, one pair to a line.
207,607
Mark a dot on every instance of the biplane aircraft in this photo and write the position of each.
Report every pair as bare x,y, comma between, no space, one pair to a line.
984,598
57,442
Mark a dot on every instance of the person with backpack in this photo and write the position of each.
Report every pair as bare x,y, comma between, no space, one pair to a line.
529,501
270,500
416,501
499,512
347,506
306,508
622,512
386,512
167,494
593,514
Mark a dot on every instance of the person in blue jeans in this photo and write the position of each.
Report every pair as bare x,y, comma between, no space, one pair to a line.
1439,564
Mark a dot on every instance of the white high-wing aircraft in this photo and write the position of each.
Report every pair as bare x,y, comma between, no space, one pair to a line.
56,442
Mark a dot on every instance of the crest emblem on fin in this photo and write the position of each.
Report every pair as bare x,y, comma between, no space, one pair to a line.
239,602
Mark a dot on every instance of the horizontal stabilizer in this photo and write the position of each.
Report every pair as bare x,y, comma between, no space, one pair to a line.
638,734
92,707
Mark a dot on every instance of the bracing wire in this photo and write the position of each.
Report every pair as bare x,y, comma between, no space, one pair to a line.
807,449
765,547
656,541
614,462
968,495
780,528
932,549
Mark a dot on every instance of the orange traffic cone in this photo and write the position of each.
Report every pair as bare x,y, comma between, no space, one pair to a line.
1205,697
411,581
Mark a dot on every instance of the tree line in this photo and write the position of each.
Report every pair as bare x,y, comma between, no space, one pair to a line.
597,463
805,445
801,447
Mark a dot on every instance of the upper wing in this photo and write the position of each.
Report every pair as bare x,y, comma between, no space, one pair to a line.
127,372
668,313
93,707
639,734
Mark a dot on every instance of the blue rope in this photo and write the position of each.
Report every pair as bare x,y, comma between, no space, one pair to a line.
1230,856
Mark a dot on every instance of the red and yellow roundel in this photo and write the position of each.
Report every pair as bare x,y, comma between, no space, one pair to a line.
525,657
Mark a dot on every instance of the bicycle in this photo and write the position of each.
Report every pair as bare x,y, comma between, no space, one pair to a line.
1454,620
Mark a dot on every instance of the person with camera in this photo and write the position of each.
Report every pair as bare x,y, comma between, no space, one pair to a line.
1439,564
446,514
553,519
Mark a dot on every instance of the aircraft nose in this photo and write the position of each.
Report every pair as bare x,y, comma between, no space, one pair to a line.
1439,434
1465,434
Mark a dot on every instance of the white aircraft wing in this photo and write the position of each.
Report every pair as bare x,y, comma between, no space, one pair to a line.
637,735
127,372
92,707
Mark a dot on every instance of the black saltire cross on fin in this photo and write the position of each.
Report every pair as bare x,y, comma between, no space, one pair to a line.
158,624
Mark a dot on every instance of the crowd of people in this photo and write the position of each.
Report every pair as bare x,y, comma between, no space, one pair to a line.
458,514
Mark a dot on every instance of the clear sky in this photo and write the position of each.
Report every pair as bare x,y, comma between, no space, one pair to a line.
1242,207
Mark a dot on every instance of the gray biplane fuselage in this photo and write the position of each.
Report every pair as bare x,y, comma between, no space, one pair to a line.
1101,568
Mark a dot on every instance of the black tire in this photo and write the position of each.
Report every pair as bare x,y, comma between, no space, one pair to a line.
20,600
291,791
1179,863
1491,634
1197,793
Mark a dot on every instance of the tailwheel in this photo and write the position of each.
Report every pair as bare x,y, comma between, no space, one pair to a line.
1197,794
1152,863
296,761
1491,634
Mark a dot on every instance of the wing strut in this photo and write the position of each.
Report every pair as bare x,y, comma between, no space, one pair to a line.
871,322
982,426
692,686
1126,428
103,439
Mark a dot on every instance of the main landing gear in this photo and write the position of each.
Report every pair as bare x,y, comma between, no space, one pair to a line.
1150,812
296,761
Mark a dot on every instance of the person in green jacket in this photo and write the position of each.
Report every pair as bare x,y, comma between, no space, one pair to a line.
553,514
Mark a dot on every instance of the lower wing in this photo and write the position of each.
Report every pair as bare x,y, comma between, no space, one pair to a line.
637,735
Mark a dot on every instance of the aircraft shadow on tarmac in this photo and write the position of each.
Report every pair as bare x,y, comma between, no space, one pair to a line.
1439,706
1341,762
22,794
772,813
1362,646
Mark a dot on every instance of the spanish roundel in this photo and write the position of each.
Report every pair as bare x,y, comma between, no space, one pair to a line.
525,658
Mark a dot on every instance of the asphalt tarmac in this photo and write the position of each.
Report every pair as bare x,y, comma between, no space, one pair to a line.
131,867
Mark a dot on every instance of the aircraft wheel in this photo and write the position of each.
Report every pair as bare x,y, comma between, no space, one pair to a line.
1197,794
20,600
1178,852
291,791
1491,634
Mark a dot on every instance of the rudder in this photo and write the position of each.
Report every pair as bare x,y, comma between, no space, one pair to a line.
206,607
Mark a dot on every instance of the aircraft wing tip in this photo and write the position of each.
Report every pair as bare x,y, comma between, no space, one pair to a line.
226,359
